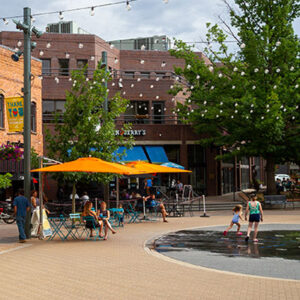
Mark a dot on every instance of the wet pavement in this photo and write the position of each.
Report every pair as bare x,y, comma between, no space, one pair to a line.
277,253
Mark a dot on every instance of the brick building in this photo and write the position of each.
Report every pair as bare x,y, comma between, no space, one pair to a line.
11,84
143,77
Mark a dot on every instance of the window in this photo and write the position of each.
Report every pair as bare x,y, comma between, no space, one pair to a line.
1,111
33,117
81,63
52,106
46,67
63,67
137,112
145,74
129,74
158,112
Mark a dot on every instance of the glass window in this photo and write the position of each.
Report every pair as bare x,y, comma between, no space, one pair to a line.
158,112
60,106
160,74
33,116
145,74
46,67
63,67
137,112
1,111
129,74
81,63
48,106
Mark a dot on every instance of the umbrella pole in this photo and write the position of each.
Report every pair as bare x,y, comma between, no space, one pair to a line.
41,235
73,198
118,191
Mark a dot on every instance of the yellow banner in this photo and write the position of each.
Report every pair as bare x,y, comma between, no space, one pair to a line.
15,113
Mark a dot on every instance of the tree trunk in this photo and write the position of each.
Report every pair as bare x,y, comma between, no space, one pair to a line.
73,198
270,170
106,194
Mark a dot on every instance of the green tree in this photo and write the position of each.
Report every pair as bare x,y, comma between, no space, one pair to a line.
5,181
86,129
247,102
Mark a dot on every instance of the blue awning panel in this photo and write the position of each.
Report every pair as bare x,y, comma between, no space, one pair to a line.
157,154
136,153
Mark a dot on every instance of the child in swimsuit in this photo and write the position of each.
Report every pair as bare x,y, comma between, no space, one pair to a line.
237,215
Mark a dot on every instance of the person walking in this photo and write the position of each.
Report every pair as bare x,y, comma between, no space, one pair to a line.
21,206
255,216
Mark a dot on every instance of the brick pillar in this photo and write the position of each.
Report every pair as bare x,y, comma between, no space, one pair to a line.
211,171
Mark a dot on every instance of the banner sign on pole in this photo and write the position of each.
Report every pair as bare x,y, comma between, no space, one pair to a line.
15,113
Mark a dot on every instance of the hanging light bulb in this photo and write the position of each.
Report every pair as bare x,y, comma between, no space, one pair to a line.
120,84
247,117
220,75
61,16
153,108
116,61
87,79
112,46
254,87
177,78
192,111
56,80
232,117
146,108
233,87
262,117
217,116
275,87
132,85
266,71
221,111
268,110
268,105
92,58
113,84
278,44
165,109
157,97
19,43
236,104
92,12
277,70
173,112
236,111
139,79
103,79
151,86
202,115
211,68
48,45
173,99
5,21
198,77
251,111
67,55
256,70
188,114
120,79
221,103
277,118
192,87
32,19
41,53
296,86
242,73
143,47
80,45
212,87
142,61
171,86
293,117
128,6
243,46
124,93
188,66
141,95
252,105
70,79
235,69
157,79
292,68
189,101
205,102
163,64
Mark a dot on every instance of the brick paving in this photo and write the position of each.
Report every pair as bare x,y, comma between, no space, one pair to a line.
120,268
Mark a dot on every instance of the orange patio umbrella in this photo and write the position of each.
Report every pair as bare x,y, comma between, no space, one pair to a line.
152,168
91,165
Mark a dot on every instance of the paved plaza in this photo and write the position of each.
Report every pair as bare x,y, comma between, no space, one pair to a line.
122,268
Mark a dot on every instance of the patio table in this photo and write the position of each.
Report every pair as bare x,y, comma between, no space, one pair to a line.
65,228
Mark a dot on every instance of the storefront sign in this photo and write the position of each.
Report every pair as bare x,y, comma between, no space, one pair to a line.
14,112
138,132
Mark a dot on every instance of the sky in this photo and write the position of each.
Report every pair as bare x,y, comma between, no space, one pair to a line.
182,19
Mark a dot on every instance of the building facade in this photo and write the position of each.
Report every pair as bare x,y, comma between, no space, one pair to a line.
144,77
11,85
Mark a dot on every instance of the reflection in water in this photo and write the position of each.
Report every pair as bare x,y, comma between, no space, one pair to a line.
284,243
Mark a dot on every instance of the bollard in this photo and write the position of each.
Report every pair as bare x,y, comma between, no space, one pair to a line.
204,208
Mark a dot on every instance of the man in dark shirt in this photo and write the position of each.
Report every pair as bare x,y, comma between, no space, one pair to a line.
21,206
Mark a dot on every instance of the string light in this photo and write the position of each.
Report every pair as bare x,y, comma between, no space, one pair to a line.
236,111
192,87
124,93
19,43
67,55
211,68
296,86
232,117
157,79
277,70
113,84
151,86
243,46
251,111
171,86
256,70
252,105
92,12
220,75
143,47
116,61
163,64
141,95
5,21
92,58
212,87
142,61
242,73
221,103
48,45
278,44
139,79
41,53
173,99
188,66
235,69
233,87
32,19
275,87
262,117
277,118
112,46
157,97
70,79
132,85
254,87
87,79
61,16
120,84
198,77
292,68
56,80
80,45
266,71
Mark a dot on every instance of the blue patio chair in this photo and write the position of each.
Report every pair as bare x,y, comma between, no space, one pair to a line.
91,223
78,225
116,217
133,214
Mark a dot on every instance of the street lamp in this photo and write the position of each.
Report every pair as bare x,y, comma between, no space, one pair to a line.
28,46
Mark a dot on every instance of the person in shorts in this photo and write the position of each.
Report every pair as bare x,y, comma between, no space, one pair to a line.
255,216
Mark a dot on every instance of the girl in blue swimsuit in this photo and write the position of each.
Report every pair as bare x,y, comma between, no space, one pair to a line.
237,215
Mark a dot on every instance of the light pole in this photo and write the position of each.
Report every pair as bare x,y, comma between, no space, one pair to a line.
26,28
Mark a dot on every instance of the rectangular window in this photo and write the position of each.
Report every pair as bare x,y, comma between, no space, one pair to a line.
63,67
52,106
129,74
81,63
60,106
158,112
1,111
145,74
46,67
33,117
137,112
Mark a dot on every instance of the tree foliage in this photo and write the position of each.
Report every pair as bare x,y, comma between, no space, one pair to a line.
5,181
247,102
86,129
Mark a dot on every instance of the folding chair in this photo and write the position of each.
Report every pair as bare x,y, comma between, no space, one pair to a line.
132,214
92,222
116,215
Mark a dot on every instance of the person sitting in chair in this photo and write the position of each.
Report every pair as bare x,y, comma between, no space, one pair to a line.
91,224
104,216
152,203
